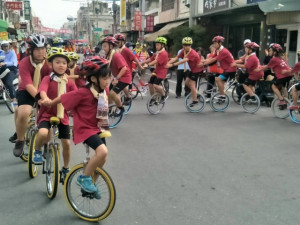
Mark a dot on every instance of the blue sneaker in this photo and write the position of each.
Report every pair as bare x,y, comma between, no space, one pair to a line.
38,157
86,184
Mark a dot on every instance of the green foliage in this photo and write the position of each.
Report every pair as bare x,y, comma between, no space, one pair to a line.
197,33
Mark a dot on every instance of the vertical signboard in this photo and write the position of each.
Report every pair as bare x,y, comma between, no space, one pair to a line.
123,12
149,23
27,10
138,20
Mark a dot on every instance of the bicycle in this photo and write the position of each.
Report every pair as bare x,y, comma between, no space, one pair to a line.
30,127
154,103
84,204
140,88
51,160
4,93
281,111
201,100
250,105
128,104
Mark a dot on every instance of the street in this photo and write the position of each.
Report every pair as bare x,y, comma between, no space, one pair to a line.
175,168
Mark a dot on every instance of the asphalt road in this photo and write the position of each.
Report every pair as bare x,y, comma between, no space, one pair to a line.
175,168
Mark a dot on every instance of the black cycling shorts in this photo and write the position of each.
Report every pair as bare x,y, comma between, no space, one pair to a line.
283,82
155,80
24,98
249,82
118,87
95,141
64,130
194,76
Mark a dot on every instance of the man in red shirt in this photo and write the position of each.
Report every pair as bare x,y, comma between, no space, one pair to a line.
120,71
129,58
225,58
159,60
32,70
189,55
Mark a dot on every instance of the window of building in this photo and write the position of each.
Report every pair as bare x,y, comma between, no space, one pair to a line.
167,4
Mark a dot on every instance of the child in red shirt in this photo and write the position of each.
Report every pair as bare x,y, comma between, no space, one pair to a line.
250,62
295,88
83,103
52,86
160,60
73,70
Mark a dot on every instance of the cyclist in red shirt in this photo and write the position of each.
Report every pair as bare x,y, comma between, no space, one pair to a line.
225,58
250,62
296,88
73,70
159,60
189,55
120,71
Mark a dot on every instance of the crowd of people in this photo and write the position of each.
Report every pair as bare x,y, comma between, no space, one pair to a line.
51,77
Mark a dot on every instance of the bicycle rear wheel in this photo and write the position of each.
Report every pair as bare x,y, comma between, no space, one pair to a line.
113,120
8,101
280,111
195,108
51,169
134,91
250,105
154,105
32,168
84,205
219,103
207,89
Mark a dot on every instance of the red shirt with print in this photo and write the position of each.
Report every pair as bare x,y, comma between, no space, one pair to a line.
162,60
128,56
84,107
26,70
51,88
296,68
117,63
193,60
251,64
277,64
225,58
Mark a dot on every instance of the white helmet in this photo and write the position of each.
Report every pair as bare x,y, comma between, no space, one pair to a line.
247,41
37,41
5,43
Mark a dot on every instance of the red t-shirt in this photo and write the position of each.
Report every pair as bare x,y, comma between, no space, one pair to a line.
117,63
128,56
26,70
215,68
277,64
84,107
193,60
50,87
162,60
225,58
251,64
296,68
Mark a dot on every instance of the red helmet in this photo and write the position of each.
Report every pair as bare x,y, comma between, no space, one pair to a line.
120,37
218,39
110,40
277,48
92,65
252,45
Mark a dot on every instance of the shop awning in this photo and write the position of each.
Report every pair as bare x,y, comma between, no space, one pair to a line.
279,6
3,25
163,31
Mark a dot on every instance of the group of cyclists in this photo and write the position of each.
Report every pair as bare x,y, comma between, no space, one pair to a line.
52,78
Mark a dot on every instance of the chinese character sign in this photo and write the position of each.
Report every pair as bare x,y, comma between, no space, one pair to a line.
149,23
123,12
138,20
3,35
14,5
214,5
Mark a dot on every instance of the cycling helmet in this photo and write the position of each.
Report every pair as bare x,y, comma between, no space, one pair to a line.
4,43
58,40
161,40
90,66
73,55
218,39
120,37
187,41
277,48
270,46
252,45
54,52
247,41
129,44
36,41
110,40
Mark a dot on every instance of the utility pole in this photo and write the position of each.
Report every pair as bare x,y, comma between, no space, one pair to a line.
114,6
89,22
192,7
143,8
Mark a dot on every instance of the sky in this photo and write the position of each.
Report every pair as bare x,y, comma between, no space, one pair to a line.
54,13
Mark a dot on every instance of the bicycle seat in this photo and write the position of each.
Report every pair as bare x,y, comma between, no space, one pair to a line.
54,120
105,134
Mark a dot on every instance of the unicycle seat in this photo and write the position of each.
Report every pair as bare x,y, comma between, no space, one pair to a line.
54,120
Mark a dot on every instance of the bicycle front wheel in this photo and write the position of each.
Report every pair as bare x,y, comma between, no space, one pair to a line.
295,114
51,169
84,205
8,101
32,168
280,111
154,105
219,103
28,133
250,105
195,108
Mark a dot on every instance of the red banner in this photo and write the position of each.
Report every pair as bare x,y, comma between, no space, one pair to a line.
149,23
14,5
138,20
